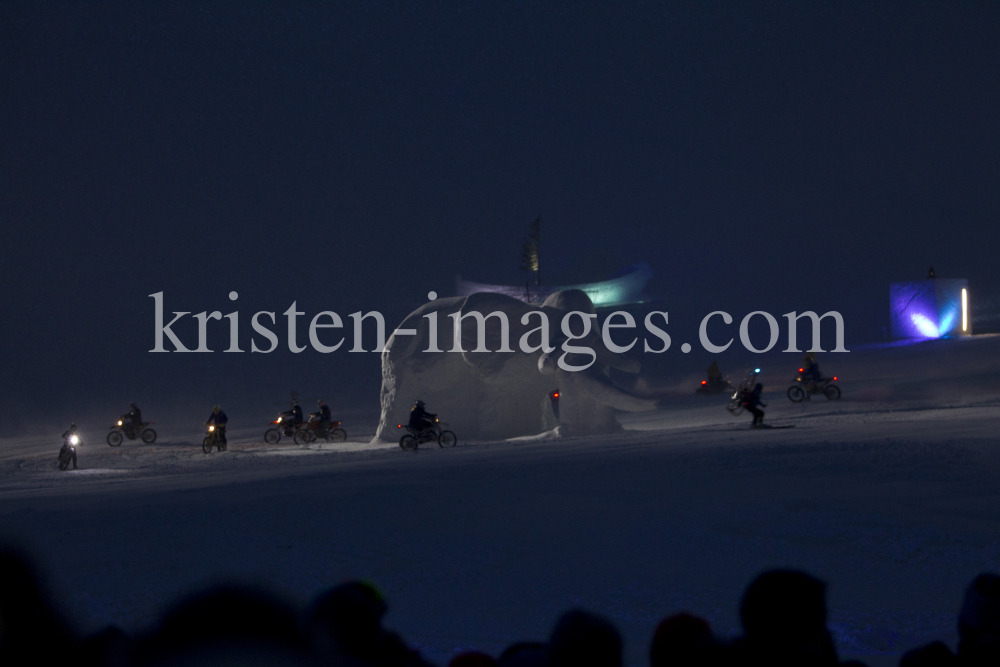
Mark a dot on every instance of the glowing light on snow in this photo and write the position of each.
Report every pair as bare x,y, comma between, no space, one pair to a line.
944,326
933,308
965,309
926,328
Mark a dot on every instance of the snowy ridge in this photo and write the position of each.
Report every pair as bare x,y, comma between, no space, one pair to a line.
890,495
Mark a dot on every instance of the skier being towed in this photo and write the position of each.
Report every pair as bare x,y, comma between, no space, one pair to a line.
752,402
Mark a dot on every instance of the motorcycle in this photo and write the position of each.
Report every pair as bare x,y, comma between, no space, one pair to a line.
735,405
67,453
314,429
213,439
131,431
416,437
283,425
802,388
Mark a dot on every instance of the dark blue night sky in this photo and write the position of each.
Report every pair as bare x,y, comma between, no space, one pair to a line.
354,156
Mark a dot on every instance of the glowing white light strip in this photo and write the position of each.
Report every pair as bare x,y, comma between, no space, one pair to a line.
965,310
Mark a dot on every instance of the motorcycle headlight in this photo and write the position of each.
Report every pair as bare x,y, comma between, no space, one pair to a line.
211,428
119,422
279,420
73,440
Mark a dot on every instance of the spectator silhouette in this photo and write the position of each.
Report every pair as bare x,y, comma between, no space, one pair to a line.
784,622
345,624
524,654
31,632
935,654
228,625
110,647
683,640
783,613
979,622
582,638
472,659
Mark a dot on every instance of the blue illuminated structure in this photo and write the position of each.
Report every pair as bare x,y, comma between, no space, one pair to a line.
933,308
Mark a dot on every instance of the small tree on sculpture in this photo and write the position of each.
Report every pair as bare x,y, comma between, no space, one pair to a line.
529,250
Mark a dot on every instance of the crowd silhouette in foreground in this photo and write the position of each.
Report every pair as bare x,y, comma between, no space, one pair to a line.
783,613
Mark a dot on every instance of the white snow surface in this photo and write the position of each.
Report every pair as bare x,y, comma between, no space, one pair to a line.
890,495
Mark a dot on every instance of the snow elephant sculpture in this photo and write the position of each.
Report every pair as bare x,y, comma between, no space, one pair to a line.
485,393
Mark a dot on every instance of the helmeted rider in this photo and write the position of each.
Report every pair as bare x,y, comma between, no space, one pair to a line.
752,402
68,445
323,416
132,419
218,419
324,411
810,370
716,380
294,414
70,433
420,419
134,414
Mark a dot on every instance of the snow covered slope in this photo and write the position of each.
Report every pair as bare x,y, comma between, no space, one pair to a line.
890,494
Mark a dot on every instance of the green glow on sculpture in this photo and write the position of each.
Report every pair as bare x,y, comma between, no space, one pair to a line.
625,287
605,296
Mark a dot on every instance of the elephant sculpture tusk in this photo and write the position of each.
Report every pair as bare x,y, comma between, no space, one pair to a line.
601,389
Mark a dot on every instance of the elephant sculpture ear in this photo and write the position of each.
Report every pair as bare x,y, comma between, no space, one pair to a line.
565,301
489,364
617,361
405,346
569,300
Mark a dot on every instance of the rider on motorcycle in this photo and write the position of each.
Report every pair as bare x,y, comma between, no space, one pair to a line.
716,380
218,419
322,417
68,446
294,415
420,419
134,415
132,419
752,402
810,370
